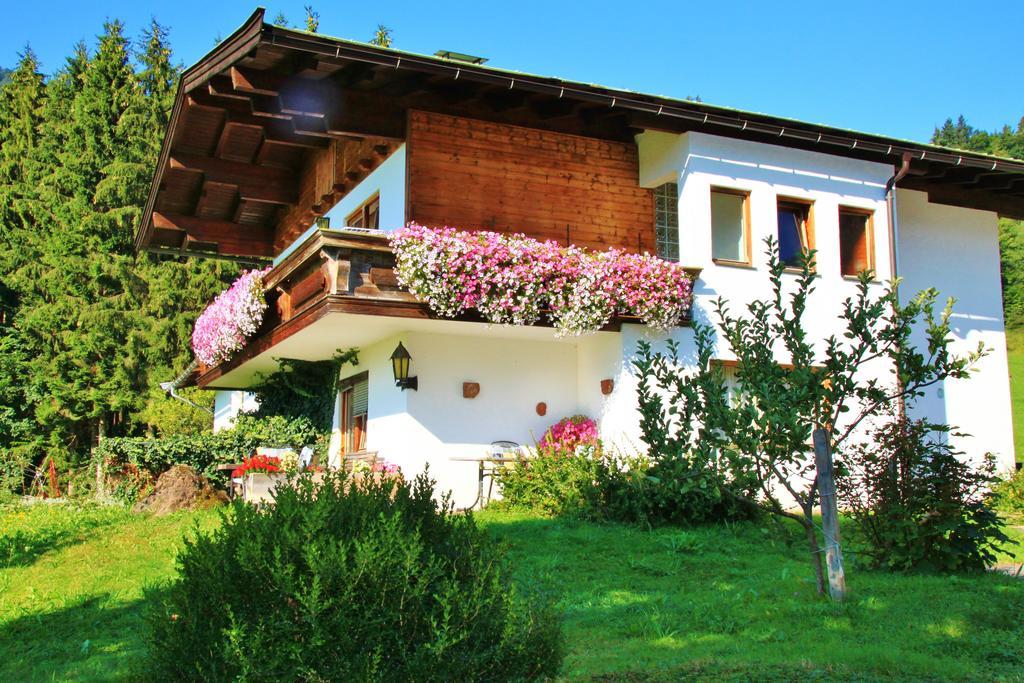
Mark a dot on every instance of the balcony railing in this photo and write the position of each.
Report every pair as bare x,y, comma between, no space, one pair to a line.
336,271
354,268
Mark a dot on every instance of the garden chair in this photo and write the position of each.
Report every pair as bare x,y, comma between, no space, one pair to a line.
499,450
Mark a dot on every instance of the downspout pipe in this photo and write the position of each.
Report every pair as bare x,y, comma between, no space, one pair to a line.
894,250
890,202
171,388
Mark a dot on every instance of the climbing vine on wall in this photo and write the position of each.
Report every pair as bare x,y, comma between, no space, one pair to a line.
304,389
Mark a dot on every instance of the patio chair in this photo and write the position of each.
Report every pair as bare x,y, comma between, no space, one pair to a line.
506,449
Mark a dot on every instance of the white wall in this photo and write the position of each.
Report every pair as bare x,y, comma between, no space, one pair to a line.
389,180
435,423
952,249
956,250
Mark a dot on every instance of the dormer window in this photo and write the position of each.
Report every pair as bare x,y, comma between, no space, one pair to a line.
796,230
666,220
366,216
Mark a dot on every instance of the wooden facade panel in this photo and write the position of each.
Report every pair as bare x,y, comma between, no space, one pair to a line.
476,174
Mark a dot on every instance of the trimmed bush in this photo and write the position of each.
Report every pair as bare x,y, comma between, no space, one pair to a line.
338,581
554,482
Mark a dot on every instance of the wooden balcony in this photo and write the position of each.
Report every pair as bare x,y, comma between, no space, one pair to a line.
332,271
337,271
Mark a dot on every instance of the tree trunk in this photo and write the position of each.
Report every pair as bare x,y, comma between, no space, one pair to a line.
829,515
812,546
101,434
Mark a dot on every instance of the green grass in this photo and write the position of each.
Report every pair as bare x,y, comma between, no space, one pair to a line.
716,603
1015,358
71,580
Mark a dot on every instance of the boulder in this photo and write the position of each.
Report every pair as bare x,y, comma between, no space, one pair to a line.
180,488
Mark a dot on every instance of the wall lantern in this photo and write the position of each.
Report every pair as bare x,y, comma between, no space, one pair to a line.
400,365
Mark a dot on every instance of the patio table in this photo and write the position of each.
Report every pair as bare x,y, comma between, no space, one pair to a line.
482,471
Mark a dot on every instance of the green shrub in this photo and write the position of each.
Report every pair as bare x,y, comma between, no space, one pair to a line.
13,466
342,582
595,484
1008,493
672,490
130,461
917,503
554,482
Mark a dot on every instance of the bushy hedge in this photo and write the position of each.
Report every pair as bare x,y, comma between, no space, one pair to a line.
595,484
918,503
343,582
203,452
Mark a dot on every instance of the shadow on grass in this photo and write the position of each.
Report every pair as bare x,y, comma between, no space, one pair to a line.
97,638
737,602
22,547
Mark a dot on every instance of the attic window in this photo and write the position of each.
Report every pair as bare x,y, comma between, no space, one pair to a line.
366,216
666,220
796,230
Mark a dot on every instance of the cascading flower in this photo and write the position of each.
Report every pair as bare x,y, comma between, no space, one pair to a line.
512,279
233,317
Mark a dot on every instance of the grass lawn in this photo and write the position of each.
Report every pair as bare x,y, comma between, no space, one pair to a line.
705,604
1015,357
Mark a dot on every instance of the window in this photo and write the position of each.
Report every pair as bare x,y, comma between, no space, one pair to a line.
730,225
856,248
354,399
796,230
366,216
666,220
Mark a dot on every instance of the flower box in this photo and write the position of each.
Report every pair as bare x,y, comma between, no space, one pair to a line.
259,487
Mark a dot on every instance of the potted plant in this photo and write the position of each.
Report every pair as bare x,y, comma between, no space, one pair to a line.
261,473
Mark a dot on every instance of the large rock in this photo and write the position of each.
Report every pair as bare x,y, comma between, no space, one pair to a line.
180,488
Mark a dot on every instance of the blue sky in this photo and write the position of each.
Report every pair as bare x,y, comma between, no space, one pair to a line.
894,68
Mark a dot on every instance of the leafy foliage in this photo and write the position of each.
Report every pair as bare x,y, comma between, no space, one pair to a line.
755,436
140,459
554,482
567,476
376,581
304,389
1008,493
917,502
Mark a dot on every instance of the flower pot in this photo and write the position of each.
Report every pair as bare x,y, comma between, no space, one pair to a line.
258,487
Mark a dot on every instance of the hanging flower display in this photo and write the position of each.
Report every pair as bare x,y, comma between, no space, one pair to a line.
234,316
511,279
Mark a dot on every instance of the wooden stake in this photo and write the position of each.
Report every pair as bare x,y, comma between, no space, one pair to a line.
829,515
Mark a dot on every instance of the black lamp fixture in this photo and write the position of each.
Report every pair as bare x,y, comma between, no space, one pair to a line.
400,365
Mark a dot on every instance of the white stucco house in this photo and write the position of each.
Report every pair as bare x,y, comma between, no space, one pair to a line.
281,140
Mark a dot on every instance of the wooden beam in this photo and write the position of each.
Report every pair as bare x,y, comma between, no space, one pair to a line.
255,82
344,112
277,130
1007,206
255,183
230,238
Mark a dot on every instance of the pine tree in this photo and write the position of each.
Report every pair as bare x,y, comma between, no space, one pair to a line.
81,297
21,97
